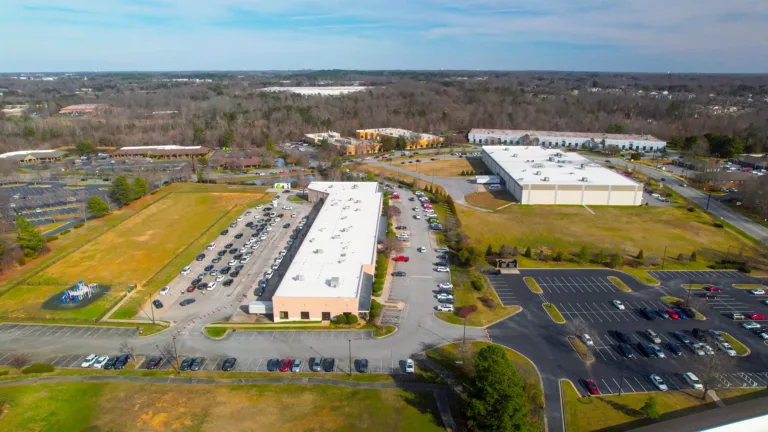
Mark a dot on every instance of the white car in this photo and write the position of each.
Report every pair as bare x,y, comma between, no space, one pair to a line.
255,246
750,325
409,366
657,351
587,340
619,305
243,249
693,381
279,259
263,236
89,361
269,227
269,273
245,259
444,296
232,262
757,291
707,349
658,382
422,249
211,286
275,266
416,216
164,290
287,208
727,348
239,218
282,253
445,308
220,278
185,271
99,363
442,269
698,349
446,285
211,246
293,215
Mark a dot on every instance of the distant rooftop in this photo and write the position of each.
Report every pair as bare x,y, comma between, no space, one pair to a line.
586,135
396,132
341,241
162,147
319,91
20,154
83,107
537,165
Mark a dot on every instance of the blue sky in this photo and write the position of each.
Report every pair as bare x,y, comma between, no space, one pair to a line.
601,35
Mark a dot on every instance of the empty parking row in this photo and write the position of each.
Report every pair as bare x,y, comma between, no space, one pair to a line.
697,275
503,290
562,285
59,331
291,335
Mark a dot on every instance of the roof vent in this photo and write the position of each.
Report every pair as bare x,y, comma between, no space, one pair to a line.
299,277
506,148
318,251
514,155
546,179
354,186
537,173
335,282
584,179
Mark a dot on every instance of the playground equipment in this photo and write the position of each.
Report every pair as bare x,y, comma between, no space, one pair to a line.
78,292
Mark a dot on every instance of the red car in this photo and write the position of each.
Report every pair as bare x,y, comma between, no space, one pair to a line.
672,314
756,316
395,196
401,258
591,387
285,365
191,288
712,289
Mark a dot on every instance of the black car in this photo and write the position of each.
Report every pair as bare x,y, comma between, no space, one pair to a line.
110,364
328,365
625,350
647,314
154,362
197,364
221,253
186,364
196,281
228,364
238,256
441,264
239,235
228,245
398,273
272,365
186,302
157,303
202,285
208,268
689,312
224,270
235,273
288,225
699,334
233,251
362,366
200,257
239,267
401,227
225,232
122,361
228,282
216,260
623,337
249,224
256,234
644,349
675,348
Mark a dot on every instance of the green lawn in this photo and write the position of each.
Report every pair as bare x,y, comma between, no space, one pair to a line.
216,332
162,407
465,295
554,313
141,244
533,285
621,413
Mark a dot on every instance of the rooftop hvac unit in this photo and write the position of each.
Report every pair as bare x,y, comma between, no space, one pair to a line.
514,155
545,179
357,209
335,237
537,173
335,282
318,251
551,158
354,186
343,217
584,179
299,277
582,166
358,201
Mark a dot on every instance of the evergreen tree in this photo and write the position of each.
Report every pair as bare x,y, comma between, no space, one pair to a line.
528,253
496,400
693,256
198,137
641,255
30,240
139,188
584,254
489,251
97,207
600,258
616,260
651,408
121,192
227,138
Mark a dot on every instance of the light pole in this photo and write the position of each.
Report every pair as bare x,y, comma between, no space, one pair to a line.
688,297
663,258
176,356
709,197
623,369
149,296
350,358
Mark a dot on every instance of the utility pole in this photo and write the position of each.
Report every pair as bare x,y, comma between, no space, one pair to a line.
350,358
149,295
663,258
709,197
176,356
621,382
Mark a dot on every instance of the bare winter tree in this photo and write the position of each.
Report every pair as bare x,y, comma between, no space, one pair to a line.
169,354
393,211
709,368
127,348
392,246
19,361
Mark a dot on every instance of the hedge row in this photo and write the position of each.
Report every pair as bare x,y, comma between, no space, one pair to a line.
37,368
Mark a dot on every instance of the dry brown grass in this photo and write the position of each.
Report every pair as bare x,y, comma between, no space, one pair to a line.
442,168
489,200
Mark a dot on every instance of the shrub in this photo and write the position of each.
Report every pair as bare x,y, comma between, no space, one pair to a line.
693,256
682,258
691,209
352,319
21,261
528,253
466,311
641,255
559,255
78,225
52,238
477,285
488,302
66,231
376,308
617,260
37,368
341,319
718,225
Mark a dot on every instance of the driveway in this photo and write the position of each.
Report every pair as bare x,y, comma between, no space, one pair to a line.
457,187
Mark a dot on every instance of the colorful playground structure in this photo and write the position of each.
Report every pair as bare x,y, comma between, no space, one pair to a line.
78,292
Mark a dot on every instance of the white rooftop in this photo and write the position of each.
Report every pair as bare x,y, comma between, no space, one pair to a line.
24,153
320,91
161,147
396,132
584,135
342,239
532,165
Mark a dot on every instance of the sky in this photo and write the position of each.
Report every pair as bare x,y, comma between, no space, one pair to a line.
722,36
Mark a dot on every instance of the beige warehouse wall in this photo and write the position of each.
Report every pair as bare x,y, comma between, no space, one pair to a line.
314,305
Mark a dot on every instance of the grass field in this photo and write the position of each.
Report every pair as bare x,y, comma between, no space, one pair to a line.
444,168
489,200
620,413
162,407
464,295
613,229
49,227
145,248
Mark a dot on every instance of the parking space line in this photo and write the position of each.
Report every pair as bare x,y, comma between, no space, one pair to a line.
629,384
3,358
670,381
640,384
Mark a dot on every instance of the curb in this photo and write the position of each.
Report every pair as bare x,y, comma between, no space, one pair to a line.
434,313
550,315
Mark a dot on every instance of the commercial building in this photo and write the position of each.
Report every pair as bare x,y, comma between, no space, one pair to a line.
34,156
83,108
332,272
346,146
413,140
574,140
538,175
162,152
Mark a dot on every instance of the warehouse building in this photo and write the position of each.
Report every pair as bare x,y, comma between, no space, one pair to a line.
537,175
346,146
34,156
83,109
413,140
573,140
332,272
162,152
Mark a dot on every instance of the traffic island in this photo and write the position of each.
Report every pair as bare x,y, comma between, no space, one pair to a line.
581,349
619,284
533,285
740,348
679,303
555,314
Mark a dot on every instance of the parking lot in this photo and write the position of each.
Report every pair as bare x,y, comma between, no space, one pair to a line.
584,298
47,202
701,276
42,331
504,289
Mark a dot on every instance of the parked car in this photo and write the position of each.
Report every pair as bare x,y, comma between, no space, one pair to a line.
726,348
758,291
672,314
623,337
401,258
285,365
122,361
410,366
587,340
693,381
154,362
185,271
110,363
442,269
157,303
591,387
197,364
445,285
296,365
712,288
200,257
644,349
229,364
445,308
398,274
674,348
750,325
316,364
186,302
647,314
100,362
625,350
328,365
618,304
657,351
756,316
273,365
89,361
658,382
653,336
362,366
164,290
